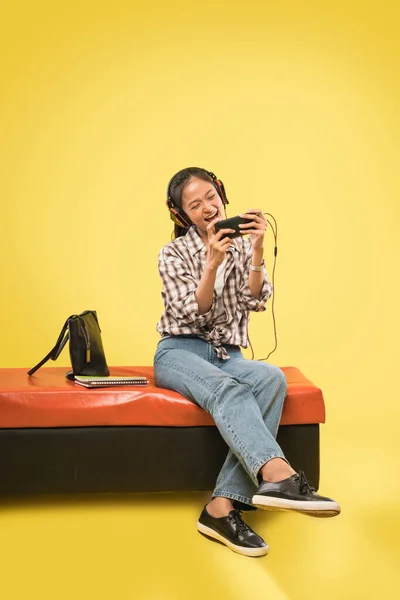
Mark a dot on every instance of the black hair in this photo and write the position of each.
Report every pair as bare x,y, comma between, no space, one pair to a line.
175,189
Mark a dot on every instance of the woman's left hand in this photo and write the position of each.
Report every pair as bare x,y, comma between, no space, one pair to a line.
256,227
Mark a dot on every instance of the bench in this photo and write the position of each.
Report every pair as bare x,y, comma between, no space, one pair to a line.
58,437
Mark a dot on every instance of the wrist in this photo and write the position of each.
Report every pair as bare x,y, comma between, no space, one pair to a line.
259,267
211,268
257,256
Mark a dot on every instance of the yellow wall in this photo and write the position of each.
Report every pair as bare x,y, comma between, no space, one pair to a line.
293,105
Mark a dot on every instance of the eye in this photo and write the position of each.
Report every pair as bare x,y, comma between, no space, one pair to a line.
194,206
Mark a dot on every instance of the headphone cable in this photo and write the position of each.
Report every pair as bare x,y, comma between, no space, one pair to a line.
275,233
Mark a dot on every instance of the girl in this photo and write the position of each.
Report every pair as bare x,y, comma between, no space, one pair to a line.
210,283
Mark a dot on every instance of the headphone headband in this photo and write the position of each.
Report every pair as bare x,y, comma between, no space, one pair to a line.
178,216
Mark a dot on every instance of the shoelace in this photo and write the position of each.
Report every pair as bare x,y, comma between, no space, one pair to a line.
236,515
304,485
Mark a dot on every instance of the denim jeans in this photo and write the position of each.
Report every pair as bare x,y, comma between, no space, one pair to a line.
244,397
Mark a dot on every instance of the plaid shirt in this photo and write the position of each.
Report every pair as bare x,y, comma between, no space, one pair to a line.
181,264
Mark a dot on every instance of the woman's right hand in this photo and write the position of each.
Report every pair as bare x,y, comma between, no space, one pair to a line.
217,247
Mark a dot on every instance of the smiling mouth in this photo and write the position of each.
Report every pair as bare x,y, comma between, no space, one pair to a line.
209,219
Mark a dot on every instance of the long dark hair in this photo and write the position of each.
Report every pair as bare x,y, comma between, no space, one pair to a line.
175,189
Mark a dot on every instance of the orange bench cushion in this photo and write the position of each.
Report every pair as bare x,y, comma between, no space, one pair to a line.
47,399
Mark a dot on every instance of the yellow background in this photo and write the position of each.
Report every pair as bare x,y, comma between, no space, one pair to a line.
295,106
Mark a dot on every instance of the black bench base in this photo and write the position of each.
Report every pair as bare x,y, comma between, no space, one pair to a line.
131,459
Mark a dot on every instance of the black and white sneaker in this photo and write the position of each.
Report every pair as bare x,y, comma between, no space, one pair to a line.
294,493
233,532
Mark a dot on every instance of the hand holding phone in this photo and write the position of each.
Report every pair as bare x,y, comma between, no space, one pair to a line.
255,227
231,223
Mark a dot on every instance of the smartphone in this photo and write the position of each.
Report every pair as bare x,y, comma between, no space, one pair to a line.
231,223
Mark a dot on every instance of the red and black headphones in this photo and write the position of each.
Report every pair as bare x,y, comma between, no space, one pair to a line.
177,214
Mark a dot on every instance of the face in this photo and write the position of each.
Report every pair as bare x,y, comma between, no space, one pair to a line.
201,202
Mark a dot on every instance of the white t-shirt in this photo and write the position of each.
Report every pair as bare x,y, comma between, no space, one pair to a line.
219,285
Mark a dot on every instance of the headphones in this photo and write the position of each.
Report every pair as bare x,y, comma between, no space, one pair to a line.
178,216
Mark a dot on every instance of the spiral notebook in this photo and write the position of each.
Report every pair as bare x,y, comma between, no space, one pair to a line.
92,382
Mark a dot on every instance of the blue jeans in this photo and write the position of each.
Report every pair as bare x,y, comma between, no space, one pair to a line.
244,397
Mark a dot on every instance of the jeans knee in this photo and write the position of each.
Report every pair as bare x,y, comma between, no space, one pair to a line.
274,376
281,378
229,395
277,385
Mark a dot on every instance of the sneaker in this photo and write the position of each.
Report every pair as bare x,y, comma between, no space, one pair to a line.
233,532
294,493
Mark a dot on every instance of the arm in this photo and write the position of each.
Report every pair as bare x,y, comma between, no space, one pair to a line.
246,296
179,287
257,288
188,300
256,278
205,290
216,254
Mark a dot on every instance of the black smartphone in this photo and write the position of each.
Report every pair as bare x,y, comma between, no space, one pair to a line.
231,223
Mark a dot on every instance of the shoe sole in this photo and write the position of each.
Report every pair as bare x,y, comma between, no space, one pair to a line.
239,549
314,509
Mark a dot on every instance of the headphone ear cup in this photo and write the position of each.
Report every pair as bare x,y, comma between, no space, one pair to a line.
223,193
178,217
220,187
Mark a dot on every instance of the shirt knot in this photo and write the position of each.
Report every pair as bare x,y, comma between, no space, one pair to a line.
215,337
